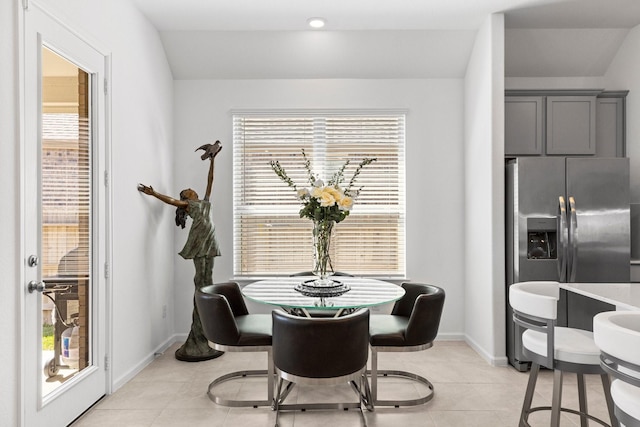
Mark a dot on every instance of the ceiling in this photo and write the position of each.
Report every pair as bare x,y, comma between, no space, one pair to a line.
384,39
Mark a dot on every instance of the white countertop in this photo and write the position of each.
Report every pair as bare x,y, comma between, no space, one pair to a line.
625,296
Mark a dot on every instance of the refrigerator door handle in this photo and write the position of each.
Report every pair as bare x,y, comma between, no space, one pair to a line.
563,237
573,241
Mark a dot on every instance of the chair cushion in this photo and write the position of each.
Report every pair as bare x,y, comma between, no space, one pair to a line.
571,345
387,330
626,397
255,329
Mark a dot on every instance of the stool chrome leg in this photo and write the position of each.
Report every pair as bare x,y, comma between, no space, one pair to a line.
582,401
606,385
556,401
528,397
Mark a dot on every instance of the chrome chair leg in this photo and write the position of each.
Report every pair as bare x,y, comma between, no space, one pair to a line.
606,385
582,401
276,400
556,401
528,397
374,375
364,386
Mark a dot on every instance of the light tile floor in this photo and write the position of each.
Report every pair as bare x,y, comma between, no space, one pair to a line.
469,392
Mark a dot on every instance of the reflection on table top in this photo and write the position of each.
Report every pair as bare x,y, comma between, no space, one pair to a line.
364,292
625,296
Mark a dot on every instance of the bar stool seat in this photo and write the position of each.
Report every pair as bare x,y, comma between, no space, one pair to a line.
572,345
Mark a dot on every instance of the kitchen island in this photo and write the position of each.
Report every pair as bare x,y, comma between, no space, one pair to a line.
623,296
580,302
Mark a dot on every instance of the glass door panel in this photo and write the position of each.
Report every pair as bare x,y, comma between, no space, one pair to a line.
66,212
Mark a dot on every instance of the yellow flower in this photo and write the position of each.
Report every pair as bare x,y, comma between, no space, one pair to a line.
316,192
327,197
335,192
345,203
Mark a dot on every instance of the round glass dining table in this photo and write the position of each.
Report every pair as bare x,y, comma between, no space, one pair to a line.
363,292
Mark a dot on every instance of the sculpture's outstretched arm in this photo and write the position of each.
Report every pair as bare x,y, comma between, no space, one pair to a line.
147,189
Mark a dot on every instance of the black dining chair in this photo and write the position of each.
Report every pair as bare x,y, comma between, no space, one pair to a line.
411,326
320,352
229,327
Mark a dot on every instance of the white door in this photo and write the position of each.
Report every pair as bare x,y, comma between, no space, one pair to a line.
65,232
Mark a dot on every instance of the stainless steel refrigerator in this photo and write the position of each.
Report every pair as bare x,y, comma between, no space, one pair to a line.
567,220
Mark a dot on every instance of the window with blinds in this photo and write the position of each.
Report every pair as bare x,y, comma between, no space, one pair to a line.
270,237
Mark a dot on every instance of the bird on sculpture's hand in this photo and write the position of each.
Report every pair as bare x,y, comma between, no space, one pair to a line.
210,150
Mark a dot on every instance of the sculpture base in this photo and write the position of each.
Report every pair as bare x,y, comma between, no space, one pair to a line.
184,356
196,347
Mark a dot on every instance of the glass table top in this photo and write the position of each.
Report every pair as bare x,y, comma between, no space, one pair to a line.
364,292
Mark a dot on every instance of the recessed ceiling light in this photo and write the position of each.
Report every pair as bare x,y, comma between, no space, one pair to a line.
316,22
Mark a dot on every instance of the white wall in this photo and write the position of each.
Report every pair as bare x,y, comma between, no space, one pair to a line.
623,73
9,226
484,289
434,170
141,111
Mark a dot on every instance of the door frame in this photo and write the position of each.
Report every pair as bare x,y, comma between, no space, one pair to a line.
102,181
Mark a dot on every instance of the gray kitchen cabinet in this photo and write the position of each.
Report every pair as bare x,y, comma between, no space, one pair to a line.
523,125
610,124
565,122
571,125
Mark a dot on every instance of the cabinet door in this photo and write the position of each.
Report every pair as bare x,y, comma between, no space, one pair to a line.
571,125
523,125
610,127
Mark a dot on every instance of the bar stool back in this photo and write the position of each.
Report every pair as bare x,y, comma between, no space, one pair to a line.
617,334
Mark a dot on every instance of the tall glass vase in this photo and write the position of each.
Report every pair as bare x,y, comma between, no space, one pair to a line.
321,243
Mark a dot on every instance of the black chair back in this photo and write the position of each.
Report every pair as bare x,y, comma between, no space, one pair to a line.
423,305
231,291
320,347
216,315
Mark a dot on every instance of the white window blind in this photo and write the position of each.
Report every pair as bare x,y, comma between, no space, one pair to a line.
269,235
65,194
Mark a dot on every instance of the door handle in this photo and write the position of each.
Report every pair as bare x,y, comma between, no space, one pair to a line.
36,286
573,240
563,236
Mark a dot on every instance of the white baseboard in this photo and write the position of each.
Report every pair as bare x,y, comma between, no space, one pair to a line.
450,337
131,373
491,359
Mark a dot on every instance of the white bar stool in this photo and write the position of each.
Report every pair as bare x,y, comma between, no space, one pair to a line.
535,307
617,334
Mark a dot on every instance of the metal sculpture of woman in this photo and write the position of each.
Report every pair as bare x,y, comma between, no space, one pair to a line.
201,247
